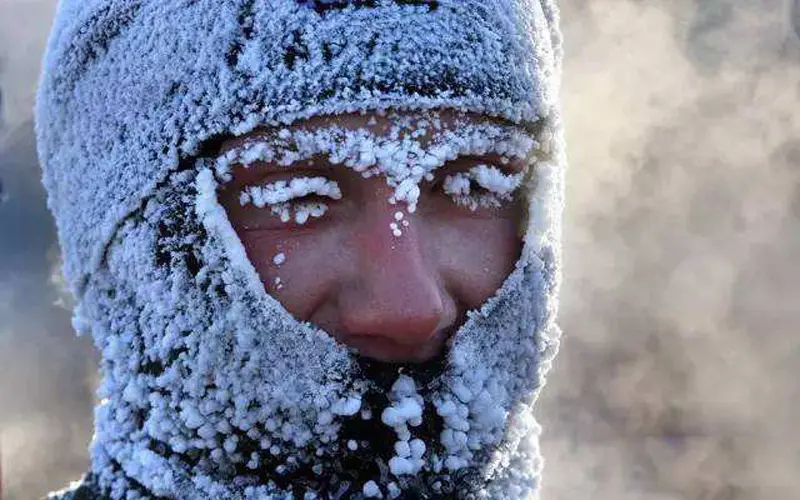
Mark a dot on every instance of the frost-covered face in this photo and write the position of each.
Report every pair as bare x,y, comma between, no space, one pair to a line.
337,249
341,308
410,334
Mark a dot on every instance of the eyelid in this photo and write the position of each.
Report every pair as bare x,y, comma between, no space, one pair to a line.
283,191
488,176
497,186
509,166
261,172
297,199
495,180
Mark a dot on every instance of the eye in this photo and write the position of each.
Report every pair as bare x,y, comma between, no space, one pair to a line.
296,200
483,186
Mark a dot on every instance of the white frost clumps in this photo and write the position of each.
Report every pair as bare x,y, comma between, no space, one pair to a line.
282,191
405,411
219,370
396,231
402,155
454,436
304,211
371,490
279,195
400,222
282,387
496,186
347,406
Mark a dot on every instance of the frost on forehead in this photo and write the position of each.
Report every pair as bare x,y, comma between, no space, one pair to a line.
406,153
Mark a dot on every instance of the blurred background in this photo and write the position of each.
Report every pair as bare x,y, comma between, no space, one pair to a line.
679,372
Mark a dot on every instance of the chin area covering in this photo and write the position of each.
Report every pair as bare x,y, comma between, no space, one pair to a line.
195,400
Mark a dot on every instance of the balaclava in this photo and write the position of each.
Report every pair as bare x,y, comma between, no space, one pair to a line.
210,388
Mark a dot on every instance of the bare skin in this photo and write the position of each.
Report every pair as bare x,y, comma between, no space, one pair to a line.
393,299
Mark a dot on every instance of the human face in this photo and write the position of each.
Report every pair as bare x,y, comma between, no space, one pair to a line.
393,283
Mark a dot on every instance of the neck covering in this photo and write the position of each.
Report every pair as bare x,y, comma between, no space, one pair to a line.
210,388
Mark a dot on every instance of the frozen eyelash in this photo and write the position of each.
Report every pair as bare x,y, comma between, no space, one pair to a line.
278,192
399,154
498,186
300,211
278,197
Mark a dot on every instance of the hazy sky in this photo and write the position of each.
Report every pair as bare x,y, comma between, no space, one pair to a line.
678,372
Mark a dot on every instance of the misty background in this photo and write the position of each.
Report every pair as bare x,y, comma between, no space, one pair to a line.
678,375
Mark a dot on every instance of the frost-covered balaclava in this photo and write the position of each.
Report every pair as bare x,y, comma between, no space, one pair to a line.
210,388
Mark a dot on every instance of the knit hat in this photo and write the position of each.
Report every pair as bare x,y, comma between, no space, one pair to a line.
130,87
131,93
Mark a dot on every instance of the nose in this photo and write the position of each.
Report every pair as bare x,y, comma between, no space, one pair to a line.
395,309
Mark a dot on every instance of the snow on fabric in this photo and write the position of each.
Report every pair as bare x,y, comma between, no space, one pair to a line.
210,389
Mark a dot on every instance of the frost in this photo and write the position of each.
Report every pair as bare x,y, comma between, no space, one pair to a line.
401,466
417,448
279,196
395,229
494,180
405,411
347,406
279,259
496,187
205,376
371,490
394,490
281,191
306,210
401,155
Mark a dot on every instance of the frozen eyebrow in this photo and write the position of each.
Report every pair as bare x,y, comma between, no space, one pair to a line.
400,154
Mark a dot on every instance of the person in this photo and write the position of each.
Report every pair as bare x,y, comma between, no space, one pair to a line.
316,243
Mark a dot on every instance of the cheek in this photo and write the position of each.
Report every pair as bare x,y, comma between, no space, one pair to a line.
299,270
471,256
475,255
